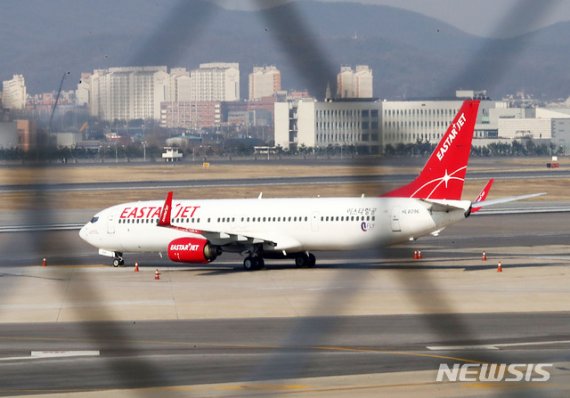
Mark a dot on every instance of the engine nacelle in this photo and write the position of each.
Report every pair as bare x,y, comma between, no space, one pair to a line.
192,250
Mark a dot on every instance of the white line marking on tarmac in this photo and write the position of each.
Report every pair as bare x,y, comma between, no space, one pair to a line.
460,347
54,354
497,346
85,304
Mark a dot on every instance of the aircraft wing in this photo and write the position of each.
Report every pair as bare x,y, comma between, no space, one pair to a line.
222,238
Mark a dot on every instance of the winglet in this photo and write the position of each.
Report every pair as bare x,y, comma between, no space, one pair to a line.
165,214
482,196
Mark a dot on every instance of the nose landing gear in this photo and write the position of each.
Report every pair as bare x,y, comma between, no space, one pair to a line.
118,260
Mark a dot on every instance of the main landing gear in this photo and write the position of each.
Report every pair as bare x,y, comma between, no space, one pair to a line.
252,263
255,261
118,260
307,260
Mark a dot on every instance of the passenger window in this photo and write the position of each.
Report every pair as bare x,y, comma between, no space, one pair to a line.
306,218
327,218
373,218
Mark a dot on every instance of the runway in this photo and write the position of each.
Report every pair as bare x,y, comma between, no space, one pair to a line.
269,181
355,325
222,351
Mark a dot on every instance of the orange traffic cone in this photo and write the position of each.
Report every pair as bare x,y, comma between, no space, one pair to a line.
44,262
484,257
419,255
156,275
499,267
416,255
136,267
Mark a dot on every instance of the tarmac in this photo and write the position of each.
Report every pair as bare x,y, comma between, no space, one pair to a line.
282,331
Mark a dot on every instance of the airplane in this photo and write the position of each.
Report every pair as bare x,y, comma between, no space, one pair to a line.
198,231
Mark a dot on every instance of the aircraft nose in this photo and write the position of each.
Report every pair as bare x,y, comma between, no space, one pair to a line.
83,233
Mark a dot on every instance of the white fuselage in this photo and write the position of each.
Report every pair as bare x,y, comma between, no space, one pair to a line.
294,225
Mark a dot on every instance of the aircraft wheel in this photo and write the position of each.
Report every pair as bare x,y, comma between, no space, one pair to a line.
249,263
117,262
260,263
301,260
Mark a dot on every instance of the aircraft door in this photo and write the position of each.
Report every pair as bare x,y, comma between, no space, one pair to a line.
315,219
396,211
111,224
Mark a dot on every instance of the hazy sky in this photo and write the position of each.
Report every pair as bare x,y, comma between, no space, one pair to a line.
479,17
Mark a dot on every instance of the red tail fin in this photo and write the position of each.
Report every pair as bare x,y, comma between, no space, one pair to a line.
444,173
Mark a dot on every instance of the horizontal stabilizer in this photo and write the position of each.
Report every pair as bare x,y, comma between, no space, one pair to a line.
508,199
447,205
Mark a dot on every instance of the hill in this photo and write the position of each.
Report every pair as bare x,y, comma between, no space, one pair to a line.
411,55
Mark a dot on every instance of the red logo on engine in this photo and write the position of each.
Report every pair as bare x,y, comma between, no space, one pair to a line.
191,250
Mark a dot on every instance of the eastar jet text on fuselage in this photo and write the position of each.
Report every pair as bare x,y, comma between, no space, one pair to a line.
198,231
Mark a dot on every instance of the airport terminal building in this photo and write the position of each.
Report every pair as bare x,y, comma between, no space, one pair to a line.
370,125
315,124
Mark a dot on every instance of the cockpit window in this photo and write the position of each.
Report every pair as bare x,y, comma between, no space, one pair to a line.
94,220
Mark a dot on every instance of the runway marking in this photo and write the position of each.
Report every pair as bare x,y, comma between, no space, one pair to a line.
54,354
402,353
242,346
64,354
460,347
86,304
497,346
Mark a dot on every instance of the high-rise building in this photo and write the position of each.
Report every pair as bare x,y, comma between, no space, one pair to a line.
14,93
215,82
128,93
355,83
264,81
82,91
190,114
180,87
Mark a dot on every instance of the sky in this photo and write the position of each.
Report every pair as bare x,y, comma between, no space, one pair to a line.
479,17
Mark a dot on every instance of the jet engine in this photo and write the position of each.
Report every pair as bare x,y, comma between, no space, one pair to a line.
192,250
